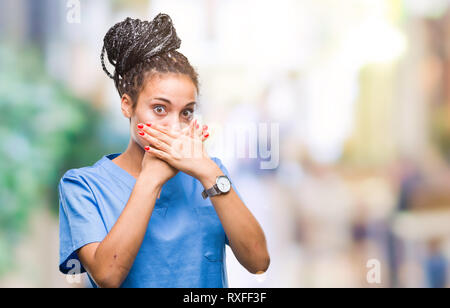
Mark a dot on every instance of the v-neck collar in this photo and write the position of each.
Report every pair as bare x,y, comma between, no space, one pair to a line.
170,190
117,171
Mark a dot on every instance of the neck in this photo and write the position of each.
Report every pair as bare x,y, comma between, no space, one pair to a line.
131,159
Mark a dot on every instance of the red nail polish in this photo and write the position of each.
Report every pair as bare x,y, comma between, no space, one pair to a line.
205,127
147,148
196,126
207,135
140,126
141,133
149,124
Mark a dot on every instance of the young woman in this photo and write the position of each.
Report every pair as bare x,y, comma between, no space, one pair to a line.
160,213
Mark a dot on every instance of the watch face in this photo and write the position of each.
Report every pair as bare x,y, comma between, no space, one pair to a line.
223,183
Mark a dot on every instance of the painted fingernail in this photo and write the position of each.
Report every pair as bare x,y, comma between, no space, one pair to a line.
147,148
140,126
205,127
207,135
141,133
149,124
196,125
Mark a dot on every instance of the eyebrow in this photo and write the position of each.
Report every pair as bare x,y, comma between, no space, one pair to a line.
169,102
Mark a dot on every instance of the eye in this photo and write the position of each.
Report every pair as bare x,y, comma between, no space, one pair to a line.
160,110
188,113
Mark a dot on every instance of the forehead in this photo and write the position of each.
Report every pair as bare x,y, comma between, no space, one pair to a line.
176,87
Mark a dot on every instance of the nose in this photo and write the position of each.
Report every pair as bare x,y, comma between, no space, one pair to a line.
172,123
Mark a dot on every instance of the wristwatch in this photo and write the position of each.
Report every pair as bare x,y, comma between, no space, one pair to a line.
222,186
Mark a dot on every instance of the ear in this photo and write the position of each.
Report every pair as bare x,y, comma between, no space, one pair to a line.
127,106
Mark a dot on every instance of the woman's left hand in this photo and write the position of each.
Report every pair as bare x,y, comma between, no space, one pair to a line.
182,150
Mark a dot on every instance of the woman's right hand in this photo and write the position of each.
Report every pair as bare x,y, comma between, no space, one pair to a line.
151,166
157,168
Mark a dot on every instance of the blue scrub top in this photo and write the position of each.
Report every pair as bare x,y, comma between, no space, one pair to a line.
184,245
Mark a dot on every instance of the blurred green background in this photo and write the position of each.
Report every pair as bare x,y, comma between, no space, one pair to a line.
45,129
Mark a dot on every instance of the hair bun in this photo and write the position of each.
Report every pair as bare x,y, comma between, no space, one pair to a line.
132,41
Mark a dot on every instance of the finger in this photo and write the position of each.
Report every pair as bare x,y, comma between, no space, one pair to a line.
202,131
154,131
185,131
158,153
192,130
154,142
205,136
198,131
161,129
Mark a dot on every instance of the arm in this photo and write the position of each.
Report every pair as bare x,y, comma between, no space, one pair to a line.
109,261
187,153
246,237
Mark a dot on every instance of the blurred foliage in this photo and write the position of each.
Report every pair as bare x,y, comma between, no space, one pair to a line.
440,129
138,5
44,130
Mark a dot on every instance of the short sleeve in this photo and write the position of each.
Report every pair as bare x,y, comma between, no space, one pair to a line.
225,171
80,221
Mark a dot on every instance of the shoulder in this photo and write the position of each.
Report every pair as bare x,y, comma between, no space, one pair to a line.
80,174
76,187
83,175
74,184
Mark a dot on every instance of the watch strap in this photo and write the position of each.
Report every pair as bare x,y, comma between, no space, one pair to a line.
211,192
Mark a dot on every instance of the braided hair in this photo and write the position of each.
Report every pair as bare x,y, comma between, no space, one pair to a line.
137,49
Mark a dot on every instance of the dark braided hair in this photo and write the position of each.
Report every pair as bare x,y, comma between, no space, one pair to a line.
137,49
